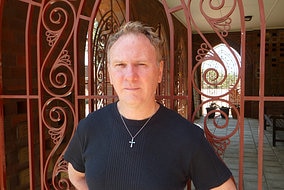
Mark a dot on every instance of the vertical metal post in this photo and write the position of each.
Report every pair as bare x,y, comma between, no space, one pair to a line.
28,90
127,11
242,103
261,92
2,142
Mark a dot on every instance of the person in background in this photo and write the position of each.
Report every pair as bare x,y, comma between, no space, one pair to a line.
136,143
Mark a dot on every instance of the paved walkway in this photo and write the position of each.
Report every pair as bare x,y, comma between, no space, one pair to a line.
273,158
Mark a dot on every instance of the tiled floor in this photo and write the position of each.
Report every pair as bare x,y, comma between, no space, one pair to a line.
273,157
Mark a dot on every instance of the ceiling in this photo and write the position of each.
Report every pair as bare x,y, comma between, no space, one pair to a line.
273,13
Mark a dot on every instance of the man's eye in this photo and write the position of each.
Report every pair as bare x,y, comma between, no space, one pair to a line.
141,64
119,65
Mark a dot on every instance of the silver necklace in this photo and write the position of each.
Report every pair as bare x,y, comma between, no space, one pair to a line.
132,142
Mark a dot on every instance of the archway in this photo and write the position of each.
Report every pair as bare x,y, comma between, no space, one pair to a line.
220,78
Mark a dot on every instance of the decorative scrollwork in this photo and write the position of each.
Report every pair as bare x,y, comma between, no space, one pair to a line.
202,52
56,71
57,80
219,143
213,74
57,15
61,73
61,167
106,26
51,37
64,59
212,124
57,115
223,26
219,66
223,23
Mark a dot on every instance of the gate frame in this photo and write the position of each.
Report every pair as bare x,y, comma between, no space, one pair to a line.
260,99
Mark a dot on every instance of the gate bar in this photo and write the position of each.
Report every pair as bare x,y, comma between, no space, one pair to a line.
2,141
261,92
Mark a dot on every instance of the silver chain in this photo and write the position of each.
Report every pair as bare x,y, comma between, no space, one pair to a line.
132,137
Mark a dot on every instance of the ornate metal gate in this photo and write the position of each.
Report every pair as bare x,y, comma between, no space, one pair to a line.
66,76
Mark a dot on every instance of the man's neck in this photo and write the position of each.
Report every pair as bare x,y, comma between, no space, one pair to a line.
137,112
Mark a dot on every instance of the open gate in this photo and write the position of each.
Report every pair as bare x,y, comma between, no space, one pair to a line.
64,78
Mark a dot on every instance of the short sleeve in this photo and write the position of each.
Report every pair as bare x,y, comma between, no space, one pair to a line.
74,153
207,169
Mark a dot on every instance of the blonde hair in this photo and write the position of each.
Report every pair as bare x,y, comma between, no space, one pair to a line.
136,27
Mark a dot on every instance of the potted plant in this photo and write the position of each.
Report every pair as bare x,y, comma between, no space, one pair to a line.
225,110
212,106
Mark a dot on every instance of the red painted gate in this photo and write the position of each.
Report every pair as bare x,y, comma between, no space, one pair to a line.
66,77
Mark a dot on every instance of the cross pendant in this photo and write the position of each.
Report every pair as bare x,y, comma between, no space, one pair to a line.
131,142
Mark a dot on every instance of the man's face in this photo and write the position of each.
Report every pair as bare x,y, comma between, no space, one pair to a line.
133,69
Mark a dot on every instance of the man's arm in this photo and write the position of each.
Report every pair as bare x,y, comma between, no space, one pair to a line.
227,185
77,178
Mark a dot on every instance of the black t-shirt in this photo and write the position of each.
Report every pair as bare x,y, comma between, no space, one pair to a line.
167,153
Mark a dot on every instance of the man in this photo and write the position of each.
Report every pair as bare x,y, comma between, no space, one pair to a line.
136,143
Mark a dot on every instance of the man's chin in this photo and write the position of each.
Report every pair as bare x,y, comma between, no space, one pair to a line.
131,102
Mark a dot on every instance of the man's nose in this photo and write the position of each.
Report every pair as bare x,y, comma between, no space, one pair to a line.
132,72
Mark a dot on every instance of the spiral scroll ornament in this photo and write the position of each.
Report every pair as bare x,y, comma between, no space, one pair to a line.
58,116
56,70
61,168
220,143
220,25
57,80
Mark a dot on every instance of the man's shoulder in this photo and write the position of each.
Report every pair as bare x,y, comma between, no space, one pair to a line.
173,115
173,118
102,111
99,116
